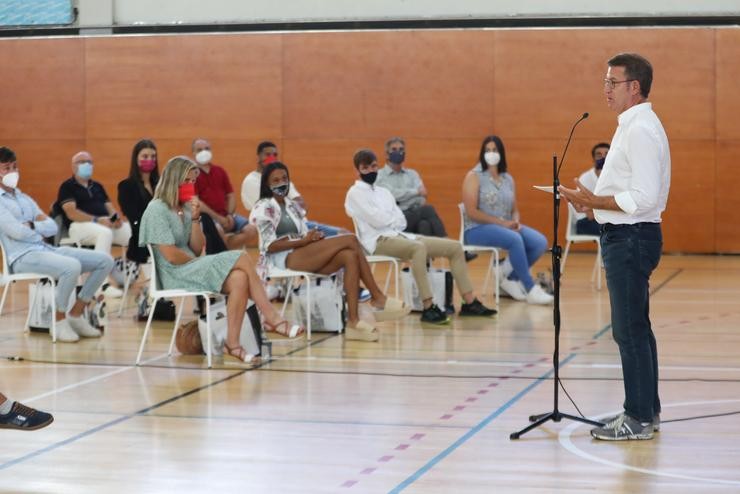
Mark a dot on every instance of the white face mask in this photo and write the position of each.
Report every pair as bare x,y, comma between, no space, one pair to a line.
203,157
11,180
492,158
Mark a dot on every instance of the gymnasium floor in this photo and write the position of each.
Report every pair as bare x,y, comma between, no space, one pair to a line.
425,410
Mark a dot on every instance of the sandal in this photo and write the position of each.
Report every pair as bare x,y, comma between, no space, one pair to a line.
362,331
293,332
239,353
394,309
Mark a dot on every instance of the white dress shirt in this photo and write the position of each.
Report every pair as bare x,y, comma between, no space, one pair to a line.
251,190
588,179
637,171
375,211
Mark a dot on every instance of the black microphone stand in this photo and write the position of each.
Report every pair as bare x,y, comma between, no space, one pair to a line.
555,415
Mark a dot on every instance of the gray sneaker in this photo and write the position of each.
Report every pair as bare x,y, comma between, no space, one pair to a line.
609,422
624,428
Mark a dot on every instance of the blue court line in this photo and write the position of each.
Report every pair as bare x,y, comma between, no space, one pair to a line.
472,432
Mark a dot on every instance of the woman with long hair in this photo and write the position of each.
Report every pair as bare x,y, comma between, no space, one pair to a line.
171,225
286,242
492,219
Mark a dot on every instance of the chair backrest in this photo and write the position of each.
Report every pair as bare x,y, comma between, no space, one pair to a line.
571,230
6,268
153,278
461,209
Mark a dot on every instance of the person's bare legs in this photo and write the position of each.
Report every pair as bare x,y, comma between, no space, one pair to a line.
257,290
236,287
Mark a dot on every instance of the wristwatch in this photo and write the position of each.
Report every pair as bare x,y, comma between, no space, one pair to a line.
31,225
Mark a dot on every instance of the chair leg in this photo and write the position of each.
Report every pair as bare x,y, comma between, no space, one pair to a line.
177,323
308,308
5,294
126,284
565,257
53,324
387,279
288,294
146,331
495,267
209,345
398,279
31,305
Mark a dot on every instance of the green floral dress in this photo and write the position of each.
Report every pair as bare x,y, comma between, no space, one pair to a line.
162,225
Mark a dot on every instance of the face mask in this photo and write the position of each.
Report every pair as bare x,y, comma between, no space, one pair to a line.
280,190
11,180
147,165
85,170
269,159
186,192
203,157
369,178
492,158
599,163
397,157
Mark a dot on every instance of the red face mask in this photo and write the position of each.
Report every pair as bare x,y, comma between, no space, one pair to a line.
186,192
269,159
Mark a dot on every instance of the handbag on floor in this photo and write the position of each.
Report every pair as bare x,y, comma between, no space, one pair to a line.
250,336
40,313
441,283
328,311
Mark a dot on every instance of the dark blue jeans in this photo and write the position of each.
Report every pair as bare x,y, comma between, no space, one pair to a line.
631,253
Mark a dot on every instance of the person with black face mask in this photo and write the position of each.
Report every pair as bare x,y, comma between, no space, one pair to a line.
285,241
410,193
586,224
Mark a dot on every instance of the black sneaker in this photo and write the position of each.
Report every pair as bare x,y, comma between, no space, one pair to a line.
434,315
469,256
475,308
25,418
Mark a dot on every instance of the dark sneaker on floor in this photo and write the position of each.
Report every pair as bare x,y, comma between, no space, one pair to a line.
434,315
475,308
25,418
610,421
624,428
469,256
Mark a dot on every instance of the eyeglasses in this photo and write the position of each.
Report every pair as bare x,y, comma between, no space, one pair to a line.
611,83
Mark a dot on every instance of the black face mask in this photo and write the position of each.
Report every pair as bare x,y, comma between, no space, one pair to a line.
599,163
369,178
397,157
280,190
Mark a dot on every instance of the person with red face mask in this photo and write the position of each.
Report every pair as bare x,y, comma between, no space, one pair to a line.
171,224
135,192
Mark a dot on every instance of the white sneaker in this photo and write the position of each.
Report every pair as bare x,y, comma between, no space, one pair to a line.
83,328
65,333
513,288
539,296
505,269
113,292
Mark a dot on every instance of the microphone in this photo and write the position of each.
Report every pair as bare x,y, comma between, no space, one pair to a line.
572,129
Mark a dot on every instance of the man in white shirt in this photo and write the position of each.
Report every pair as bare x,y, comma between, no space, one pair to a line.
380,228
585,222
630,195
267,152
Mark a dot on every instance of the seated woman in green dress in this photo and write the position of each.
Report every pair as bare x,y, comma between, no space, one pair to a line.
286,242
171,224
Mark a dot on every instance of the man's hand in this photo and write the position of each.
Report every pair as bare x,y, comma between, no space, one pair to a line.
581,198
422,191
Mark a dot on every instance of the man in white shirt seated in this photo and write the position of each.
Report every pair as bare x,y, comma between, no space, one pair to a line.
267,152
23,227
585,222
380,227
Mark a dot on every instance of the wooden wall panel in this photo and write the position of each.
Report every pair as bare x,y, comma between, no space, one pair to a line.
435,84
321,96
183,86
728,81
42,89
727,197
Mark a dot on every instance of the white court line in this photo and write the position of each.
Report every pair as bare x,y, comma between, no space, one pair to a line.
86,381
565,441
486,363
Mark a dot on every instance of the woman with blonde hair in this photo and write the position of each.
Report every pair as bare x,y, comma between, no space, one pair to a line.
171,225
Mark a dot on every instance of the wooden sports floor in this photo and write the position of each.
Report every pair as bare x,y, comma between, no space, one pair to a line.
425,410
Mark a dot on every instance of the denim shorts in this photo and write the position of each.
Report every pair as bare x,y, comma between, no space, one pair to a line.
278,259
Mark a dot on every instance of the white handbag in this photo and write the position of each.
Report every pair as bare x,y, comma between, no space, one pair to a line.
250,336
438,283
327,305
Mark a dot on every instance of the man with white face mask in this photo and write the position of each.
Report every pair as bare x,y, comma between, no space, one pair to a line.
23,227
217,198
89,213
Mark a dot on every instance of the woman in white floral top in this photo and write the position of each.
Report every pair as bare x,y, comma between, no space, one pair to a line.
286,242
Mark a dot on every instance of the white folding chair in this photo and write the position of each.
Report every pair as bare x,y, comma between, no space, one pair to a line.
572,237
156,293
374,259
9,278
492,271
